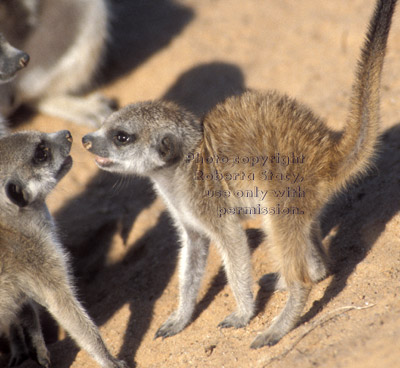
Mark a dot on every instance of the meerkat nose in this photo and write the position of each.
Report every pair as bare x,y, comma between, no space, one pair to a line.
24,60
86,143
68,136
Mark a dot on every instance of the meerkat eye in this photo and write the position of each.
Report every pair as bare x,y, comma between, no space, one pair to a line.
121,138
41,153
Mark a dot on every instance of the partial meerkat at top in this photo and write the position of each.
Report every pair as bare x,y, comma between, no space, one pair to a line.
33,265
66,40
259,154
12,61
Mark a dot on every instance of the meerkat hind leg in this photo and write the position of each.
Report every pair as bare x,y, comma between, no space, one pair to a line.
85,110
193,259
317,262
298,257
298,294
317,259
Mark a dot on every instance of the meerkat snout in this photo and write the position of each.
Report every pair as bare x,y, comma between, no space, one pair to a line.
24,60
68,136
64,139
87,143
11,61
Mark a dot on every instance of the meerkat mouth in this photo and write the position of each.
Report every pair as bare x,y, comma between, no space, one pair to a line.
64,168
67,162
103,161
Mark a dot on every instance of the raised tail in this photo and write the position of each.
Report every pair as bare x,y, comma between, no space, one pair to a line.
357,145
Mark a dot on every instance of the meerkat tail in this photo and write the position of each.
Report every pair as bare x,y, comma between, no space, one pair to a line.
361,132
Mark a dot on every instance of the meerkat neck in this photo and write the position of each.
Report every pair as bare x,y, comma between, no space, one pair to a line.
178,180
31,220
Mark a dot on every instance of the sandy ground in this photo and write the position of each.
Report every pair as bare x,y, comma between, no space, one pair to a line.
123,246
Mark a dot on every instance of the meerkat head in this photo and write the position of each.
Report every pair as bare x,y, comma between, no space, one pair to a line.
11,60
143,138
31,164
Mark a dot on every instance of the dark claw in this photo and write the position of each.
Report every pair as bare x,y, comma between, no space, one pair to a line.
163,334
224,324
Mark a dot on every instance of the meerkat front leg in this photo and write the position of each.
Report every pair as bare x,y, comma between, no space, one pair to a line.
232,244
85,110
51,288
193,258
70,314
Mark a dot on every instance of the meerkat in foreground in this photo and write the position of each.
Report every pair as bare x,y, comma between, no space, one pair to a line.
33,265
255,154
12,60
66,40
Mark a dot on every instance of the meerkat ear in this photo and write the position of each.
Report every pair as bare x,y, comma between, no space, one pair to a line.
17,194
170,148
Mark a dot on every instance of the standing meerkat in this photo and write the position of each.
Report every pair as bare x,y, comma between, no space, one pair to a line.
33,265
258,153
66,40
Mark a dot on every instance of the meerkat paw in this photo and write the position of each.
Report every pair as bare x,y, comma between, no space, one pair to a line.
38,351
119,364
268,338
43,358
173,325
236,320
100,107
85,110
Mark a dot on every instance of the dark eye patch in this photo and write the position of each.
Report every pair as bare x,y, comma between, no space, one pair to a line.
121,138
42,153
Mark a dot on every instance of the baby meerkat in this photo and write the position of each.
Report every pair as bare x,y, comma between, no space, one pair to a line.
33,265
258,153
